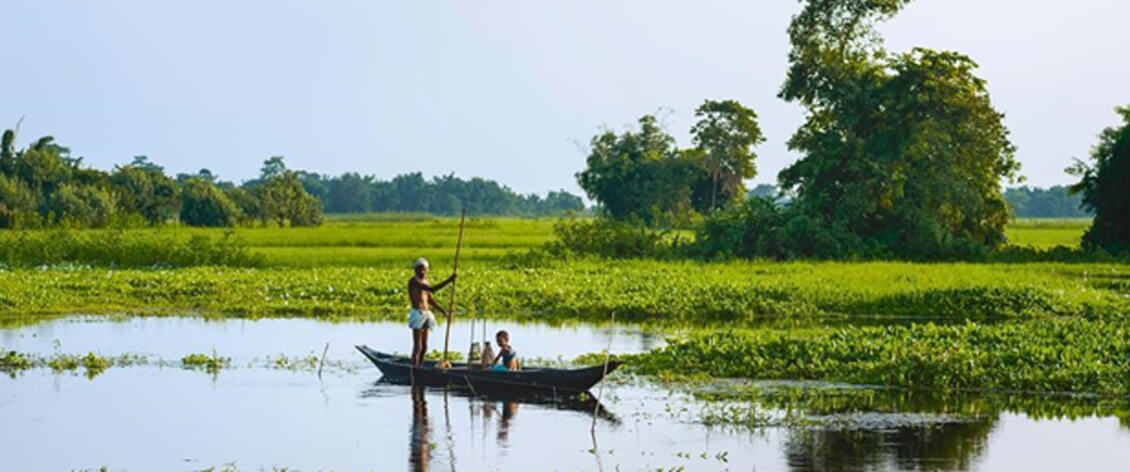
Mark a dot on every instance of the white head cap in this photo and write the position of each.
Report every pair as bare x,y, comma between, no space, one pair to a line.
420,262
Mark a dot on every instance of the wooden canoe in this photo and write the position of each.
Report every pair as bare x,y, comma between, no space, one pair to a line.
528,380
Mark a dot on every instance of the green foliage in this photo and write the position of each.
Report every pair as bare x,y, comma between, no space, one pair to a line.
115,248
13,361
902,154
444,195
654,292
209,363
725,135
1054,355
283,199
82,205
606,237
641,175
18,204
1103,184
204,204
142,188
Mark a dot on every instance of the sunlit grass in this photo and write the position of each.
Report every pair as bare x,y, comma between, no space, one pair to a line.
1046,233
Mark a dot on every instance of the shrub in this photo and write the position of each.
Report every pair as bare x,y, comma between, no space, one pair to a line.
608,238
115,248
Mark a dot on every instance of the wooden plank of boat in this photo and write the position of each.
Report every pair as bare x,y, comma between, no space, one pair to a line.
557,381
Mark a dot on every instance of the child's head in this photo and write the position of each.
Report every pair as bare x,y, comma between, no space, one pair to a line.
502,337
421,267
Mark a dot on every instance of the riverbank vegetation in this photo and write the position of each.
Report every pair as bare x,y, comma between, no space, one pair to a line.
588,289
1048,355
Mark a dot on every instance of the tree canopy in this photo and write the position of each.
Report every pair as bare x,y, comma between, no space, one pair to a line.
901,154
1103,185
641,174
725,134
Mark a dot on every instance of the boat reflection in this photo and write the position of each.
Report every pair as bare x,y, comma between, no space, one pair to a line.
498,411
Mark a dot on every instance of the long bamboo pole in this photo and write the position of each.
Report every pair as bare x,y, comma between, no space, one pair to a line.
451,302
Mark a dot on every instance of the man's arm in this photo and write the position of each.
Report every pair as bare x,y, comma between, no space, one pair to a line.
443,284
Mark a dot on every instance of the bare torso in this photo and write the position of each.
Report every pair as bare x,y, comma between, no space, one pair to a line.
419,294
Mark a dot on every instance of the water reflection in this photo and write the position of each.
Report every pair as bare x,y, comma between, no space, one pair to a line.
487,412
946,446
420,439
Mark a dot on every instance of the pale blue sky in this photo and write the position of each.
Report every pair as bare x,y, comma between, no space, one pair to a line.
504,90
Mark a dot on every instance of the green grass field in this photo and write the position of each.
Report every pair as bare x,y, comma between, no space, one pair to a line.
357,268
1047,233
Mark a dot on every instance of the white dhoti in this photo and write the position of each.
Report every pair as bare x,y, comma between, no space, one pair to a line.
421,319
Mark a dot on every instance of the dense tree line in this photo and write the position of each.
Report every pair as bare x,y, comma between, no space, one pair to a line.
1056,201
642,175
43,185
445,195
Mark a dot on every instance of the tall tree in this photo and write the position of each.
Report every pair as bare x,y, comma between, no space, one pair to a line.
1103,184
901,153
726,133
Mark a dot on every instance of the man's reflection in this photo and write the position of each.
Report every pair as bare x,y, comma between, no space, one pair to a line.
509,409
420,444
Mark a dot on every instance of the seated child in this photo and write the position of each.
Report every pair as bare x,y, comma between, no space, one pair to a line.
506,353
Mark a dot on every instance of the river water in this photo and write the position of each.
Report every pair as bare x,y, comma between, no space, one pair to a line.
160,417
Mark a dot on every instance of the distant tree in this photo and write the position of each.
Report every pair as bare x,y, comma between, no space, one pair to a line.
204,204
42,167
1103,184
18,204
559,202
640,174
764,191
203,174
145,190
726,133
349,193
8,153
246,202
1053,202
272,167
142,162
283,199
82,205
315,184
413,194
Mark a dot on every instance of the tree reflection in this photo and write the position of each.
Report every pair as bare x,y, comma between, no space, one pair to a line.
947,446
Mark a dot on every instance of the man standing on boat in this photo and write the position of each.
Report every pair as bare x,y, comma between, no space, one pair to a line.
421,319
